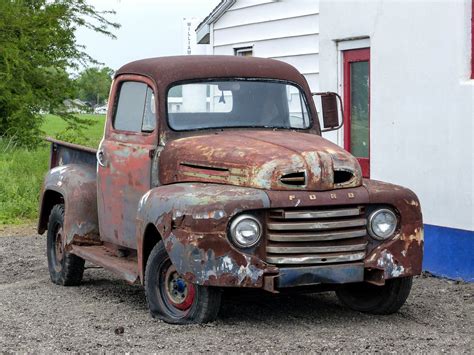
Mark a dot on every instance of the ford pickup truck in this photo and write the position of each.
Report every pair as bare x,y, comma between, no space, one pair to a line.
212,173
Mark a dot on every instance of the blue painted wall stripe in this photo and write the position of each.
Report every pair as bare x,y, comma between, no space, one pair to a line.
449,252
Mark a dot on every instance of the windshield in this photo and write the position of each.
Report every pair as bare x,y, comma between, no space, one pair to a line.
236,103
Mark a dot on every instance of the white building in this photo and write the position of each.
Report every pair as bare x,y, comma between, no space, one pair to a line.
404,71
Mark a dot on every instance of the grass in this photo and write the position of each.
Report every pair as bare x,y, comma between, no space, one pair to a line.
53,126
22,170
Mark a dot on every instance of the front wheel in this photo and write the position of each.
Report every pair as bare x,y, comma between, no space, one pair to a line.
386,299
171,298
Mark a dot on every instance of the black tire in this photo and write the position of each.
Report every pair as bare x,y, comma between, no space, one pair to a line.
65,269
194,303
386,299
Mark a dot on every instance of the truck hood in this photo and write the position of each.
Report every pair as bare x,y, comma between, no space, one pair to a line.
274,160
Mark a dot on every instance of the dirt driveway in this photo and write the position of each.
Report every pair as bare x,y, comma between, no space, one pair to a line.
106,314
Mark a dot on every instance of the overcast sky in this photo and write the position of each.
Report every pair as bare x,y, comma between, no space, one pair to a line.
150,28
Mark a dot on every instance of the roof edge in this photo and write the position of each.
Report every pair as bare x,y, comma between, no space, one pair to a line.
203,29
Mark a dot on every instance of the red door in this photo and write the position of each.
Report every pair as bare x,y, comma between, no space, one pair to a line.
357,106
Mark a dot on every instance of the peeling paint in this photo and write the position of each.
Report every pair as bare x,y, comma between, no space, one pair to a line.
390,266
200,180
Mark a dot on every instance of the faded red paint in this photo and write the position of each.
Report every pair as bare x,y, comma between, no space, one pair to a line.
189,185
261,160
125,176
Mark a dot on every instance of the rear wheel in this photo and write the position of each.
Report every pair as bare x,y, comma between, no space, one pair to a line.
386,299
171,298
64,268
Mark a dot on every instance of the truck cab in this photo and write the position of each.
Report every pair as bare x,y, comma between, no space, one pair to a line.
212,174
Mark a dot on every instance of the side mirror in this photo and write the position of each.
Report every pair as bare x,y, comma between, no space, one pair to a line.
331,104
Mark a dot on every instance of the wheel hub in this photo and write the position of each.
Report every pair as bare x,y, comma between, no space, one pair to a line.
180,293
59,245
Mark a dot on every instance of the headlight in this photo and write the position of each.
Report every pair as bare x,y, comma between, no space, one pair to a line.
382,224
245,231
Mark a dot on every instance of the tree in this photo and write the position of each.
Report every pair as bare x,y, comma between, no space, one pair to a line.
37,48
93,85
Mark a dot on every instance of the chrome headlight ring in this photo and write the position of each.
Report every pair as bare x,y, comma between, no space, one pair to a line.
245,231
382,224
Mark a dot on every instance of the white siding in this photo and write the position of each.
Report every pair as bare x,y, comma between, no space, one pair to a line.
422,100
241,4
306,64
284,30
313,81
277,47
265,11
288,27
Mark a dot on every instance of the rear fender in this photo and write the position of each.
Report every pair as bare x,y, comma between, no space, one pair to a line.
76,186
192,221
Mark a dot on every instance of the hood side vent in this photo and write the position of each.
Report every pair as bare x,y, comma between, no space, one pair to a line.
342,176
294,179
204,167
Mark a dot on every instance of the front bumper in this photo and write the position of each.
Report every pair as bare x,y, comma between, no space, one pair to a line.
314,275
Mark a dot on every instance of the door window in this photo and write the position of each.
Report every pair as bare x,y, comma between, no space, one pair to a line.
135,110
357,106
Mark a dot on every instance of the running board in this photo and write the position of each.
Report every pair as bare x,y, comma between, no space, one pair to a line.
126,268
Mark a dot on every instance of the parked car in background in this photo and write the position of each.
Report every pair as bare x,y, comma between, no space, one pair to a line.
100,110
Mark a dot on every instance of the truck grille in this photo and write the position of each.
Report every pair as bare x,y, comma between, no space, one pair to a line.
316,236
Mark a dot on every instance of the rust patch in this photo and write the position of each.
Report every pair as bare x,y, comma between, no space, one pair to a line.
258,160
192,220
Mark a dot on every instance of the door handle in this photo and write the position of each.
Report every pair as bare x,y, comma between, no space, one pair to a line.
100,157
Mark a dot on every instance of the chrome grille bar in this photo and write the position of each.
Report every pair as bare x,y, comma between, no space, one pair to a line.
316,259
315,249
347,223
317,236
347,212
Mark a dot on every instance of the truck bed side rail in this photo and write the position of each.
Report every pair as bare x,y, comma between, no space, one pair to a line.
63,153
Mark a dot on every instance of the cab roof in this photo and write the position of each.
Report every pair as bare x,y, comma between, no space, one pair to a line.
166,70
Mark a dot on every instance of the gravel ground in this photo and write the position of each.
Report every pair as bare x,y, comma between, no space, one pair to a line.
107,314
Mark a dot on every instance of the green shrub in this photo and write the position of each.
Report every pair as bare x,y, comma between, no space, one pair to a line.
21,174
22,169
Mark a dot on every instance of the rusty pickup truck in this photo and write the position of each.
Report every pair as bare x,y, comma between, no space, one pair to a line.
211,174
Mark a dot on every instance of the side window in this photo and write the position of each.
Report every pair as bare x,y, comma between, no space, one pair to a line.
149,116
135,110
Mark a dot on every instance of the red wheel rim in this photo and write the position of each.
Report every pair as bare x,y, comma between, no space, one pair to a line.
179,292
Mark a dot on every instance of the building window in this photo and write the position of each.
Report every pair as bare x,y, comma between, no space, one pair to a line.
243,52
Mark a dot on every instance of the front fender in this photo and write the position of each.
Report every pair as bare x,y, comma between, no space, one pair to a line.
192,221
77,186
403,254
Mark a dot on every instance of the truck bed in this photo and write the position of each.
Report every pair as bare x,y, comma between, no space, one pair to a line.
63,153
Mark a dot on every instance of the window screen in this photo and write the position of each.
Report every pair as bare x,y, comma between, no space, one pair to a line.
135,108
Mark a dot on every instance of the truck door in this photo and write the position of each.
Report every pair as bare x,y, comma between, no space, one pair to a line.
357,106
124,158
